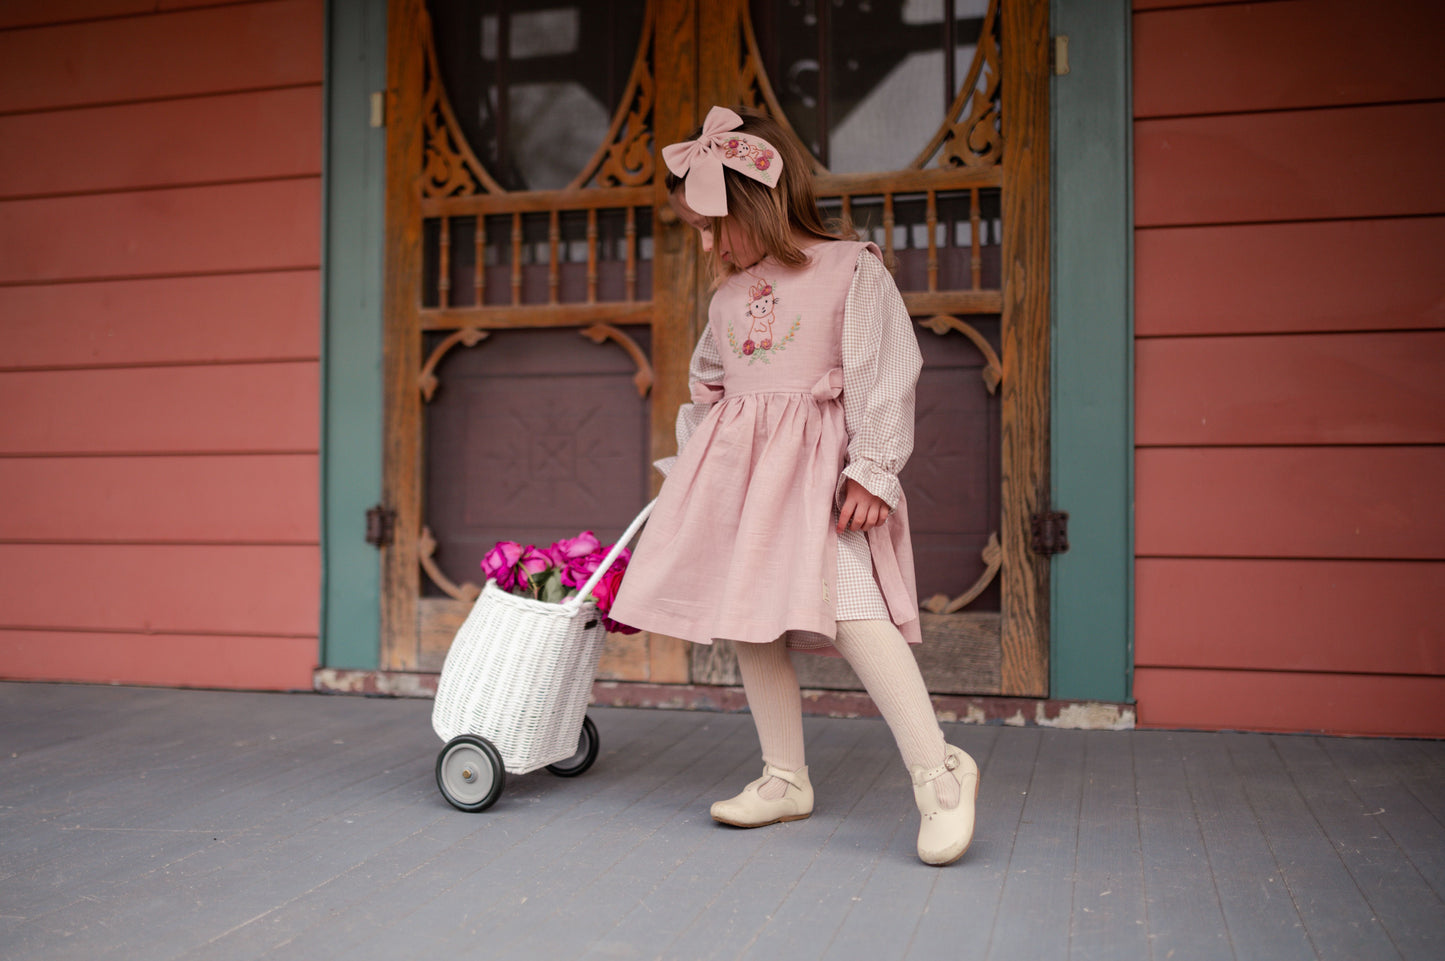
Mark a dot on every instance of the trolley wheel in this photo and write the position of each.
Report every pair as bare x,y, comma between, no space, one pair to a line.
586,752
470,773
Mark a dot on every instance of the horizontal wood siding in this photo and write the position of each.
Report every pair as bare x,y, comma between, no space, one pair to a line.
1375,388
1289,614
167,588
241,46
1335,275
1347,52
30,13
160,215
206,319
250,136
251,227
252,408
132,499
1380,503
172,660
1290,343
1293,701
1290,165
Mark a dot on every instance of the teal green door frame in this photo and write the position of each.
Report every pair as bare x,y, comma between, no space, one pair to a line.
352,268
1092,337
1092,453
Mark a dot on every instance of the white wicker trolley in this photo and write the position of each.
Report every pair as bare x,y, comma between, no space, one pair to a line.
513,692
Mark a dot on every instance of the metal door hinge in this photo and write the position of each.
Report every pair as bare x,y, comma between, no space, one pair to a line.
380,521
1051,532
378,108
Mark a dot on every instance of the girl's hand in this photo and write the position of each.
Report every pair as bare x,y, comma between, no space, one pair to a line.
862,510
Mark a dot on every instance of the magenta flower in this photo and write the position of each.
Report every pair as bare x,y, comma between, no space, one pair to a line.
606,592
557,571
749,346
500,564
573,558
576,572
571,548
531,562
511,565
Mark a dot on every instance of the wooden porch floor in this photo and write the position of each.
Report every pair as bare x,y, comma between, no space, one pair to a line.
155,824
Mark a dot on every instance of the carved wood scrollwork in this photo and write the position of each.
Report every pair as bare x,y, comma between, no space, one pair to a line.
755,91
974,139
992,555
992,372
598,333
426,550
449,167
427,380
625,158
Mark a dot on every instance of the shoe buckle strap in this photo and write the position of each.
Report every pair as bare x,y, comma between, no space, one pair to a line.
790,776
922,776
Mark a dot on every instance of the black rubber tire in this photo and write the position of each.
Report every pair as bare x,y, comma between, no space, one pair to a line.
470,773
586,752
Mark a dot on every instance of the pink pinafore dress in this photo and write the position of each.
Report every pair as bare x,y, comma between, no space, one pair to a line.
742,543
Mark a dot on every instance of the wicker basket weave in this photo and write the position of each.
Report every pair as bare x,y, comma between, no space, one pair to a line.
520,671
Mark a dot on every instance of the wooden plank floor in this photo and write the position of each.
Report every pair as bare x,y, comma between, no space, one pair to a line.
155,824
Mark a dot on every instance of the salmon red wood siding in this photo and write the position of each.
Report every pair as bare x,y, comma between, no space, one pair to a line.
120,499
159,243
1290,414
240,46
1348,52
1359,388
168,320
249,136
29,13
1291,615
1271,278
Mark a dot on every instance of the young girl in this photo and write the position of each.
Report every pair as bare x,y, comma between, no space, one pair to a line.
781,524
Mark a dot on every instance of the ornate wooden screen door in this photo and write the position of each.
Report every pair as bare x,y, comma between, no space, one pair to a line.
526,207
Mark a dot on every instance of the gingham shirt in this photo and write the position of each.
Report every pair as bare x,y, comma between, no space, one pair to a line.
881,363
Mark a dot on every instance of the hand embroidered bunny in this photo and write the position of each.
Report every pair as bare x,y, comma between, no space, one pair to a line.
761,301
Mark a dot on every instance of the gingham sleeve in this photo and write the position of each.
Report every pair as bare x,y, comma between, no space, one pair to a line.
704,369
881,364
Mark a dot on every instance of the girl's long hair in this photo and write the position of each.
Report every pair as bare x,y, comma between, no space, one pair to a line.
772,215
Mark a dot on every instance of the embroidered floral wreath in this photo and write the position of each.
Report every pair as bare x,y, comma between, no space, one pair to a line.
737,148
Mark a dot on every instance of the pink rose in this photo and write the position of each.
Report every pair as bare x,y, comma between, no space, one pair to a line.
606,592
576,572
766,345
531,562
570,548
500,563
573,558
511,565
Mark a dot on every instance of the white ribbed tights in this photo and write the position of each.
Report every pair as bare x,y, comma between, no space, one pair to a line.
880,657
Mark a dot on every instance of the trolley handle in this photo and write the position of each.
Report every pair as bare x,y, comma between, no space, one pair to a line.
575,602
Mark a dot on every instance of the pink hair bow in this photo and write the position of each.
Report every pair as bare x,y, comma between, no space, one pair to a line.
701,161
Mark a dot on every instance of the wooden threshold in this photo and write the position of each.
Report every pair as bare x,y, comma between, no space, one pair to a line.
950,708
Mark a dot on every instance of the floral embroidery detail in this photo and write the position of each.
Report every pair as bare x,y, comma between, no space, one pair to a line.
761,315
759,158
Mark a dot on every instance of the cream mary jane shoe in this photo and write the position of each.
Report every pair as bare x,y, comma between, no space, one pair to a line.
944,833
748,810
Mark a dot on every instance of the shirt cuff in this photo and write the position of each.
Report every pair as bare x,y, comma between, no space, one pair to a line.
874,479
